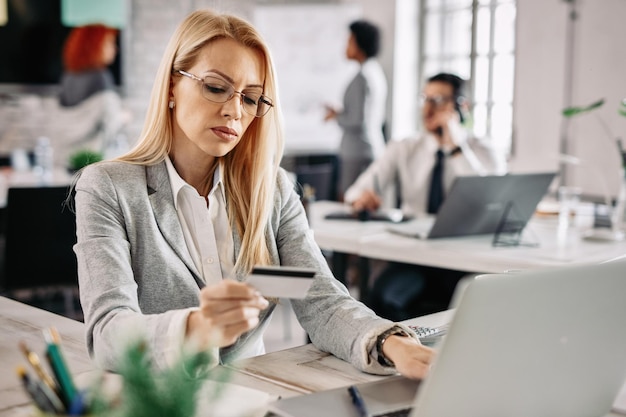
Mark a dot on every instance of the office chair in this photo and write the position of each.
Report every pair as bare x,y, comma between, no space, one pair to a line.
39,262
319,177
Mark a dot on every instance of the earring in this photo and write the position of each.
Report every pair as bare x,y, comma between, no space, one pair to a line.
171,104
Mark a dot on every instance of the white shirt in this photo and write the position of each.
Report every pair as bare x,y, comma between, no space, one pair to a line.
410,163
210,243
375,104
203,228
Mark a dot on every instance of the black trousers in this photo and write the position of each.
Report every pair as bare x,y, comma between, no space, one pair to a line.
403,291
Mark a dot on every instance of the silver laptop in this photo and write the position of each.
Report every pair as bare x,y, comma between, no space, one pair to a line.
544,343
478,205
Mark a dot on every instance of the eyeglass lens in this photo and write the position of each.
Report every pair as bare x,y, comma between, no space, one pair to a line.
218,91
436,101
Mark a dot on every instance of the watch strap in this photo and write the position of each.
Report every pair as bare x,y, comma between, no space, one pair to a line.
382,338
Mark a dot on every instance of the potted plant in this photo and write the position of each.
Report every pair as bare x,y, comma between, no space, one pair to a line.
576,110
618,211
82,158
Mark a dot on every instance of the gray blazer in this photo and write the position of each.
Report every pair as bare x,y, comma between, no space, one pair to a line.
135,271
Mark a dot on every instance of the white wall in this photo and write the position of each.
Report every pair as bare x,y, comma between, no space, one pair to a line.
599,71
153,21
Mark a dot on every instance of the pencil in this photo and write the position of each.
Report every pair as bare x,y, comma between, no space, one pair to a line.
33,359
43,397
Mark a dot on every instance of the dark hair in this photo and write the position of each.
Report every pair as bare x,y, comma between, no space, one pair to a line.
367,37
458,88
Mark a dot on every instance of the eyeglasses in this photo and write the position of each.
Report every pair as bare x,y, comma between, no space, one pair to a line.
436,101
218,90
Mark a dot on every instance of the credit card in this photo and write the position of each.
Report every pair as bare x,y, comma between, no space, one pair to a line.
281,281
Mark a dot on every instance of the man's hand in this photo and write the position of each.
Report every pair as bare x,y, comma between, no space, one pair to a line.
227,310
368,201
447,133
411,359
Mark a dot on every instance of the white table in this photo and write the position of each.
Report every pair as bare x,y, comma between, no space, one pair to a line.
474,254
477,254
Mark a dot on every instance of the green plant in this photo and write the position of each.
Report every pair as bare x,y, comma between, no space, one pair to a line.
576,110
84,157
622,108
146,392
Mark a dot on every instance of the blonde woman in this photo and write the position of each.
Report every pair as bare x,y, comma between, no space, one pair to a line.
168,232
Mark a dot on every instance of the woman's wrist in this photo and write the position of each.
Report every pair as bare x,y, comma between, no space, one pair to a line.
386,342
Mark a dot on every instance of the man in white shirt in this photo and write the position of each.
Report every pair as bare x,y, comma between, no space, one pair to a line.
410,162
423,168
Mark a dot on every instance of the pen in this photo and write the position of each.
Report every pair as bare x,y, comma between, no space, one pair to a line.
40,393
33,359
59,368
357,400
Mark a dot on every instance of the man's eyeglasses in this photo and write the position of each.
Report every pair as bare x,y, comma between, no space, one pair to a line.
435,101
218,90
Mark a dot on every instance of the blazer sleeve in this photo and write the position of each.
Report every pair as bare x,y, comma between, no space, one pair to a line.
352,117
108,278
334,321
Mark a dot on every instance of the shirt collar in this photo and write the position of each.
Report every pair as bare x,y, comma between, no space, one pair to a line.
177,183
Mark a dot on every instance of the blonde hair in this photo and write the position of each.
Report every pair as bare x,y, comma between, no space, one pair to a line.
250,169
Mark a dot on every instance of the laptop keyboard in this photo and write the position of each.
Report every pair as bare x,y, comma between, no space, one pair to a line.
428,335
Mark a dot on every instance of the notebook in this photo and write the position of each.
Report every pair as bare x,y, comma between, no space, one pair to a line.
543,343
478,205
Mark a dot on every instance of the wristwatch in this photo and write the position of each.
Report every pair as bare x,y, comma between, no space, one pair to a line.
395,330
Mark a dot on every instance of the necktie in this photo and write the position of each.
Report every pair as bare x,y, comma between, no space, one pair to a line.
435,194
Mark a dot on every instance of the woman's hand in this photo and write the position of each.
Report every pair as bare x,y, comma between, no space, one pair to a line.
227,310
368,201
411,359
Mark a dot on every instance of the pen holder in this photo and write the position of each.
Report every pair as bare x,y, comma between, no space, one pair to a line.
37,412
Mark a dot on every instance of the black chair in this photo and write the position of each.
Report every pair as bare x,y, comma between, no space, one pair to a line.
39,262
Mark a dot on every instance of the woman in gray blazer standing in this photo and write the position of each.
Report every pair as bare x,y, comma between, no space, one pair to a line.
364,106
168,232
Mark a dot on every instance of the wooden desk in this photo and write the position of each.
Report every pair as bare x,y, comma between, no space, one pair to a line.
23,322
287,373
306,369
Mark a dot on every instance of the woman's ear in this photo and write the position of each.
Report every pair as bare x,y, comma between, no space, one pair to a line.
171,101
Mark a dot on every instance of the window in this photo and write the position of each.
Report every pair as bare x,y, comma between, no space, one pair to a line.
474,39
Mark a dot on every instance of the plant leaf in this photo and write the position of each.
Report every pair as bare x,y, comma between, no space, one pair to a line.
574,110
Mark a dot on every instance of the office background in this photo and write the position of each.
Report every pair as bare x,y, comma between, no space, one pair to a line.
547,77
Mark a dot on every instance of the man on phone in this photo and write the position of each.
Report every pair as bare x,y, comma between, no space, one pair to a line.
424,167
421,169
